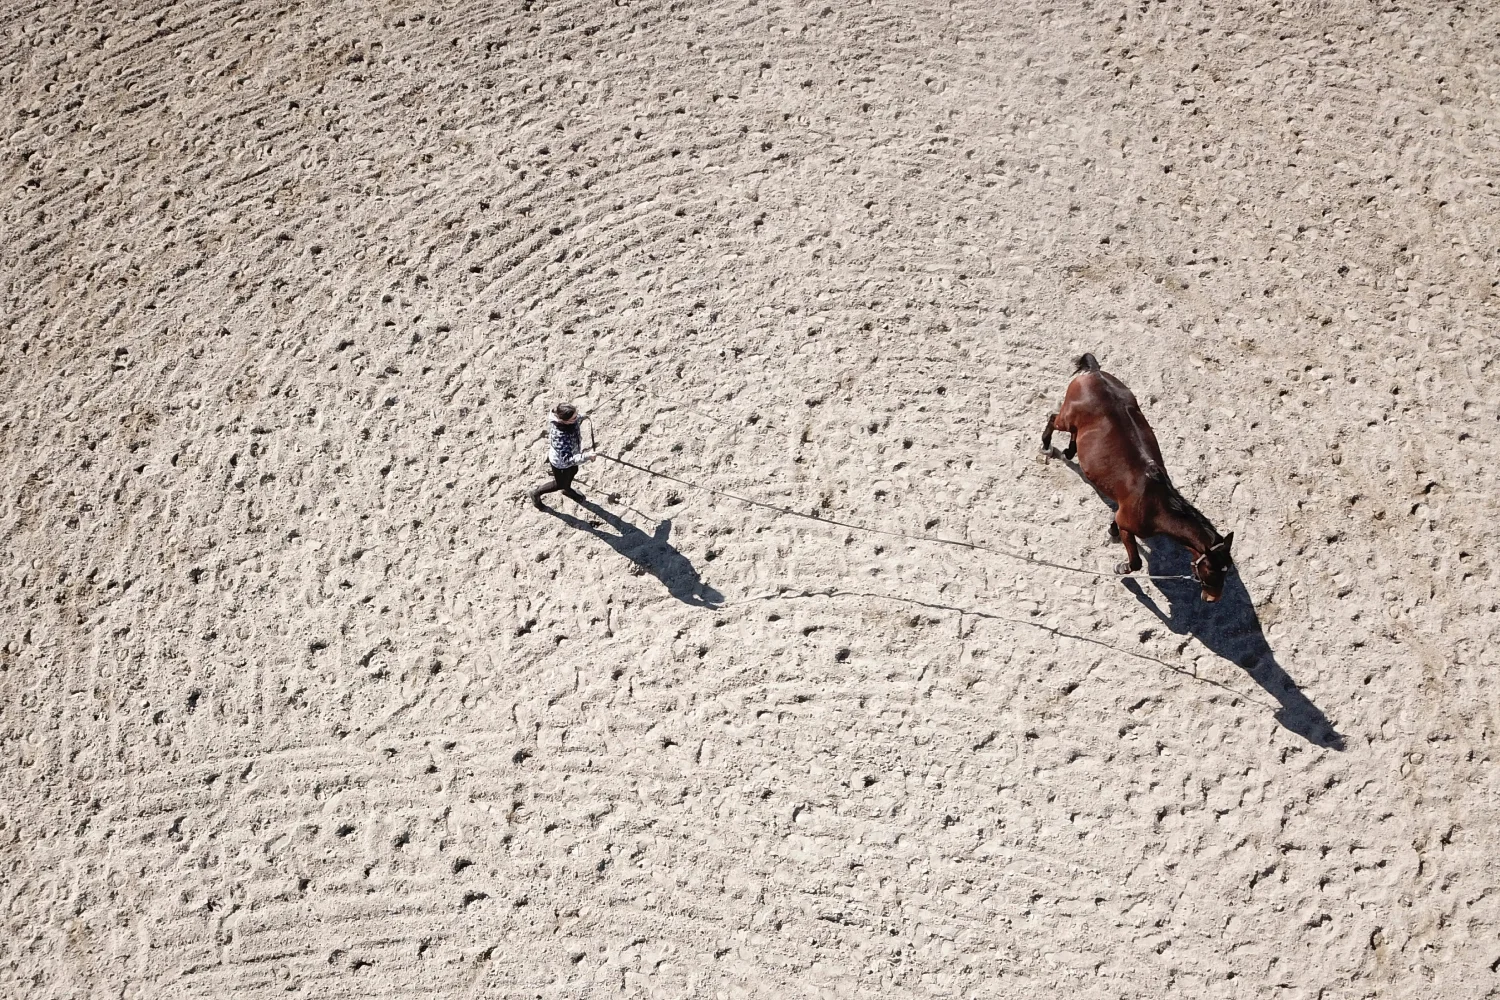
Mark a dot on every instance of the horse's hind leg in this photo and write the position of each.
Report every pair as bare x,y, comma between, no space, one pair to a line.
1047,435
1053,425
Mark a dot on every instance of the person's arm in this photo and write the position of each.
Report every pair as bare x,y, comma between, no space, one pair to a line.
583,454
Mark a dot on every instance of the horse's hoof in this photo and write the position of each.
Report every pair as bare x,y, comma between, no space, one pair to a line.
1123,569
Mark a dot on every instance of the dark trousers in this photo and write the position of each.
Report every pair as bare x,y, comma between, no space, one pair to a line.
562,479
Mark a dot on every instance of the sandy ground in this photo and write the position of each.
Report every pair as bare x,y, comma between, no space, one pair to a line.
298,698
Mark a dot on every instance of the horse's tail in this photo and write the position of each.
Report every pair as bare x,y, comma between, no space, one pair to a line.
1086,363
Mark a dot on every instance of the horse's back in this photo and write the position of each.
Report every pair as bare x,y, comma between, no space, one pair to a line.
1095,394
1116,446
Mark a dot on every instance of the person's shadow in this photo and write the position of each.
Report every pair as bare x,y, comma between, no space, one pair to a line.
652,553
1231,628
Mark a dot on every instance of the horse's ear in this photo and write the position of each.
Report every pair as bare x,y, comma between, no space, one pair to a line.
1228,541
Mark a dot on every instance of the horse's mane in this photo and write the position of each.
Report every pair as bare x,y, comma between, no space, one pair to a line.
1179,504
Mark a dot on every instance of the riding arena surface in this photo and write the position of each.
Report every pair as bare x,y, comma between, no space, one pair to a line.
299,696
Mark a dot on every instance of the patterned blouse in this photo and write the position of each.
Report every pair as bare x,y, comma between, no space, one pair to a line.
564,443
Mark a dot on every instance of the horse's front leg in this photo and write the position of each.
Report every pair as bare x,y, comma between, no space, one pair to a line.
1133,562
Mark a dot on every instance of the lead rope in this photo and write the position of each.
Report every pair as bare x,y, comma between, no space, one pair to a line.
593,442
1007,553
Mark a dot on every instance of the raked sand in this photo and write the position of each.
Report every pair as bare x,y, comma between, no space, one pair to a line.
298,697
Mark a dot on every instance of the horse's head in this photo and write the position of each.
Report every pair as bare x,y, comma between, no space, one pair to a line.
1210,568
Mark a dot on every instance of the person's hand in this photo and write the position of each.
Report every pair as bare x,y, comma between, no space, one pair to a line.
586,456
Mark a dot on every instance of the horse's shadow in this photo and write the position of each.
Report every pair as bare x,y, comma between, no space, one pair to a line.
653,553
1230,628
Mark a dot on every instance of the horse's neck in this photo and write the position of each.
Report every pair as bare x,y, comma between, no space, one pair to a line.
1187,525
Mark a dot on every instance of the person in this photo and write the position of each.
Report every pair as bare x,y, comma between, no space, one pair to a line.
564,453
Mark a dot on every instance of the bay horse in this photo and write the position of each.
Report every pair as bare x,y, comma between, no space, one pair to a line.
1117,452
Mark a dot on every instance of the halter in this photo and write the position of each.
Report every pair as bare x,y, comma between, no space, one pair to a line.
1207,565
